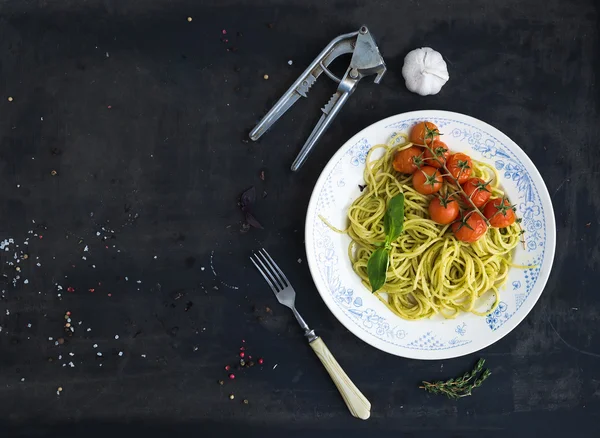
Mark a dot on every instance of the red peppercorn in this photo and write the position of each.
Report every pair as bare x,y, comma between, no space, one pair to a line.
242,348
70,289
260,361
242,354
232,376
227,367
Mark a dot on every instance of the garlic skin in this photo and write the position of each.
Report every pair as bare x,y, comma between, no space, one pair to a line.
425,71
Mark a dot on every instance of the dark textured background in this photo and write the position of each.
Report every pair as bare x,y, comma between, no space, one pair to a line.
163,168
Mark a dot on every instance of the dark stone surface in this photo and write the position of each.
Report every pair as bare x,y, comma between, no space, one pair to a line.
161,170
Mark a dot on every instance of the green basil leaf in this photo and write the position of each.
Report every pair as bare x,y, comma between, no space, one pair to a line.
377,268
393,221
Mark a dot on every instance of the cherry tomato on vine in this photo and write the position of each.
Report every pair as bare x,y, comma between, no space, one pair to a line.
440,152
477,190
460,167
469,228
500,213
427,180
443,210
408,160
423,131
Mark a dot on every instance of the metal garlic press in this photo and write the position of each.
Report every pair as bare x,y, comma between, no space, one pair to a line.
366,60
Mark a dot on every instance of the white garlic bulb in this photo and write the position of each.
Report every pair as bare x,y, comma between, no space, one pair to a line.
425,71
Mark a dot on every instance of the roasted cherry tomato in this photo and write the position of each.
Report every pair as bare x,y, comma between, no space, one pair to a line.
441,153
460,167
499,212
427,180
408,160
443,210
422,131
478,191
470,228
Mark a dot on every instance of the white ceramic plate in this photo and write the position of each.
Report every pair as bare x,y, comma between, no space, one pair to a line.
436,338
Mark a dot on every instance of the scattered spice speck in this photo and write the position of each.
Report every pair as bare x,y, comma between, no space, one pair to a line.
275,366
189,19
266,77
53,172
290,62
231,396
10,99
246,401
120,353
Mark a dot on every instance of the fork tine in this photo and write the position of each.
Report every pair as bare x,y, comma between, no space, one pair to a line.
274,269
274,280
275,266
264,275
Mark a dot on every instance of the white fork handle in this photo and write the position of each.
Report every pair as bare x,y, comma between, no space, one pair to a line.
358,404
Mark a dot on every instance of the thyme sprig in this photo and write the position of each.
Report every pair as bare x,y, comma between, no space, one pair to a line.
461,386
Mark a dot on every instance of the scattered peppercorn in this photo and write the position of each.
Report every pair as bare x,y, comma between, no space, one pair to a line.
260,360
227,367
231,396
242,354
245,401
221,382
10,99
251,364
53,172
25,256
266,77
189,19
232,376
242,362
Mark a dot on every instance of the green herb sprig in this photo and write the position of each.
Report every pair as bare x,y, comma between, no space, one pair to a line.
460,386
393,225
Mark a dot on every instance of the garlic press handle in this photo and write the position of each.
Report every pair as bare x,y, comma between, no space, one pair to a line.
338,46
324,123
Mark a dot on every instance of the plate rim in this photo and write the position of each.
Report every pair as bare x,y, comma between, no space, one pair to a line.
550,243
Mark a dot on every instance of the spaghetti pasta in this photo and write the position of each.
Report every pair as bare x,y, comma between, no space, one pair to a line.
430,272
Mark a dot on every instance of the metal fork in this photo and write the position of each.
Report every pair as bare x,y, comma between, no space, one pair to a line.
357,403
